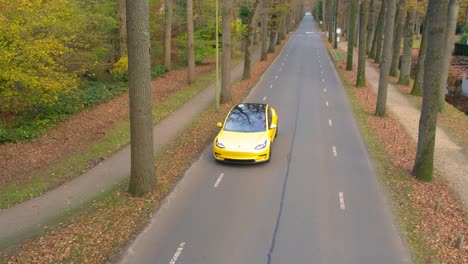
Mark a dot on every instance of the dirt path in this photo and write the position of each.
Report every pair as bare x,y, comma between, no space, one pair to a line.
451,160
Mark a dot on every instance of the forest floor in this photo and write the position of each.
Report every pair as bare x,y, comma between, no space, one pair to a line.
433,212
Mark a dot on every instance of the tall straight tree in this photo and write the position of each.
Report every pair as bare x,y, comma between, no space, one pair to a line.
142,178
226,52
380,33
418,80
361,73
330,19
190,43
264,30
371,25
351,34
407,58
335,24
381,107
121,6
274,23
251,23
399,23
453,10
437,22
167,34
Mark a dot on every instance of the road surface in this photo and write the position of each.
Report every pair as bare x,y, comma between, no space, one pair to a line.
317,201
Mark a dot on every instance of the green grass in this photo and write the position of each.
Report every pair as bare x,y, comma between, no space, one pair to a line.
465,58
394,179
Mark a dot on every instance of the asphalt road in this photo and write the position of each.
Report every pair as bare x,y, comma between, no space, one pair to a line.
317,201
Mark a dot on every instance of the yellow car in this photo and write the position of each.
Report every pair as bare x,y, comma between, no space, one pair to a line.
247,134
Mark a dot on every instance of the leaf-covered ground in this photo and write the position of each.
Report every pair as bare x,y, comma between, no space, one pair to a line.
99,234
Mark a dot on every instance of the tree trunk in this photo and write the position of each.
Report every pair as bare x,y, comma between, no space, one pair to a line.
226,96
356,33
378,32
361,74
273,26
191,43
397,38
250,28
352,25
407,59
330,20
418,80
167,34
142,178
380,38
370,25
122,28
381,107
452,16
200,13
335,25
324,15
264,30
433,83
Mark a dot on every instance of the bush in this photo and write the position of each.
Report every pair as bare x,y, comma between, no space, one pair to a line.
119,70
464,39
464,29
158,71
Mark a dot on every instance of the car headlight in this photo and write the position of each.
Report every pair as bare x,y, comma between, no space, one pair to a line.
219,144
262,145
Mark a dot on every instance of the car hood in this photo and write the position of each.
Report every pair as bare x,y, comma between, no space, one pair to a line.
241,140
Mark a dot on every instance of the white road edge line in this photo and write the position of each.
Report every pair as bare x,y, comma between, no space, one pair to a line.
218,181
334,151
329,122
264,98
342,204
177,253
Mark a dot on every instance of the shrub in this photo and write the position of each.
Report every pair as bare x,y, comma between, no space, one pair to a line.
158,71
119,70
464,39
464,29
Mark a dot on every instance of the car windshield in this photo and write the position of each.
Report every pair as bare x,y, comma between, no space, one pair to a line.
246,118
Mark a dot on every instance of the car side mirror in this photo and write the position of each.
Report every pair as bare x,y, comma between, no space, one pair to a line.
219,124
273,126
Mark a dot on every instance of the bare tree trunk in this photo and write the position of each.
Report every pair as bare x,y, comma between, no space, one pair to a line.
330,19
433,82
380,39
407,59
335,25
273,26
324,15
226,53
399,22
418,80
381,107
200,13
452,15
361,73
264,30
356,33
371,25
352,28
191,43
167,34
248,56
122,28
378,33
142,178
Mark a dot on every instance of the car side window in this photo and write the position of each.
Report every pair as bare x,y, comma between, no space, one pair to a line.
269,117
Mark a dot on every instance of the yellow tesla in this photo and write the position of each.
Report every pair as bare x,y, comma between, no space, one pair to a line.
247,134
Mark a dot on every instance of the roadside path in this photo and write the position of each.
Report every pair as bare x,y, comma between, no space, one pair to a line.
451,160
30,217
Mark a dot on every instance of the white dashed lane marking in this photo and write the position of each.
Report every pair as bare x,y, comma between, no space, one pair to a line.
342,204
326,103
177,253
334,151
218,181
330,122
271,86
264,98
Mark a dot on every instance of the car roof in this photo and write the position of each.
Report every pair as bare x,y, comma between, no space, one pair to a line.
251,107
